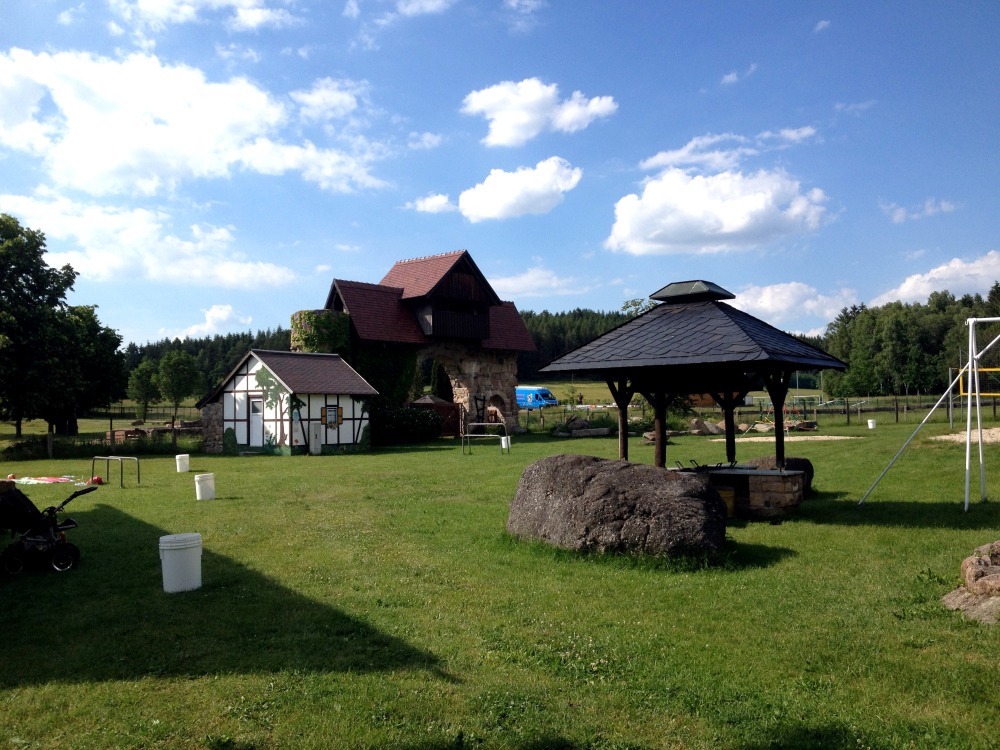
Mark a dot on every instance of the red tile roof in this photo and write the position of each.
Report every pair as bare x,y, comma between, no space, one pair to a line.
417,277
378,314
507,330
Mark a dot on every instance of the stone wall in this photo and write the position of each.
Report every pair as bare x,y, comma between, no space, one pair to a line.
474,371
211,427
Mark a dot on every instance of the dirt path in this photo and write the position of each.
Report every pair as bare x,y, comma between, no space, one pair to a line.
990,435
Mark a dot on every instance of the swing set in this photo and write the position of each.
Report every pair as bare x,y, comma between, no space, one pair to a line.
969,381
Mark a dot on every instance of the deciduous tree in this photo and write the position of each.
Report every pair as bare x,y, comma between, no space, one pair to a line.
142,387
32,307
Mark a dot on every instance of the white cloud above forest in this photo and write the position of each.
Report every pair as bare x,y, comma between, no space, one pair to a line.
528,190
216,319
702,201
518,112
141,126
778,304
957,276
537,281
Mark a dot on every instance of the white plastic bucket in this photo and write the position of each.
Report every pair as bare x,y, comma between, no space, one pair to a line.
180,558
871,424
183,463
504,443
204,486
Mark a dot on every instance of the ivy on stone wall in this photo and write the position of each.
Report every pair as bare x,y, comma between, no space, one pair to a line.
391,370
322,331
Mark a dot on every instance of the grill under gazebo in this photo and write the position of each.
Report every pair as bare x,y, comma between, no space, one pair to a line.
694,343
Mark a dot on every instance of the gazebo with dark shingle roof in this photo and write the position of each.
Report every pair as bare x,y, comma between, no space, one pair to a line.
692,343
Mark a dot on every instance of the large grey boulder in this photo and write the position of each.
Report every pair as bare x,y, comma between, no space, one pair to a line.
593,504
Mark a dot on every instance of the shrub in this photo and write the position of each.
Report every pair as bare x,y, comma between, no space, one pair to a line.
397,425
34,448
230,446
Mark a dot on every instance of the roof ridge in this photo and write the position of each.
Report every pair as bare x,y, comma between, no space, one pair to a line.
431,257
297,354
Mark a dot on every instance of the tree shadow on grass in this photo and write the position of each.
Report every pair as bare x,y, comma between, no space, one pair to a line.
839,509
111,620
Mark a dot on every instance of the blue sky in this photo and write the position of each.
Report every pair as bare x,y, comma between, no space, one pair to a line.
209,166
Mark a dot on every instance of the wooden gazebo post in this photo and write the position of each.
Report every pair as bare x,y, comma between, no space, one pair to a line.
728,402
658,399
622,392
777,388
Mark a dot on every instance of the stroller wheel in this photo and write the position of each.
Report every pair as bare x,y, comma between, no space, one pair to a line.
64,556
12,563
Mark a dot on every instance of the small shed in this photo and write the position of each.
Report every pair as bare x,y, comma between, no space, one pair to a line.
288,399
693,342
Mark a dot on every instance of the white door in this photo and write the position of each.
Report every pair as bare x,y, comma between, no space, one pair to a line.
256,423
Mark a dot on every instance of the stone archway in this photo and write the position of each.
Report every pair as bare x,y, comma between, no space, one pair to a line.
481,379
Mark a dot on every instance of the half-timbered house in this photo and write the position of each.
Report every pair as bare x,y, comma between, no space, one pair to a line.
286,400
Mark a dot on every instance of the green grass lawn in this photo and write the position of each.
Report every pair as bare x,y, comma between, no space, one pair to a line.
374,601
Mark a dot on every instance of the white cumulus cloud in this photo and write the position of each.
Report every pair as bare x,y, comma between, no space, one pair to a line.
154,16
433,204
958,276
703,201
930,207
679,212
216,318
327,100
106,242
793,300
517,112
537,281
528,190
141,126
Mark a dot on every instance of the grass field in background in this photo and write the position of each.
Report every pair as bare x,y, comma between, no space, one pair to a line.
373,601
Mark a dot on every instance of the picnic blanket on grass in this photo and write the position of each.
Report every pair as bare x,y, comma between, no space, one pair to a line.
48,480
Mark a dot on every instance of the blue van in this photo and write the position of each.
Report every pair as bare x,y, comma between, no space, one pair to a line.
531,397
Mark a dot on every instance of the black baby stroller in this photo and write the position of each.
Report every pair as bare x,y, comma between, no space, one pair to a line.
41,536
